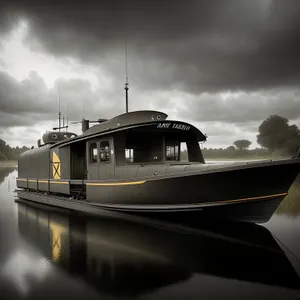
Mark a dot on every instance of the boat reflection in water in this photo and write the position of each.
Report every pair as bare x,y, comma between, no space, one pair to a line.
122,258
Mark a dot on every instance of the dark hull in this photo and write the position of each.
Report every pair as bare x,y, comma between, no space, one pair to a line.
249,193
220,185
255,211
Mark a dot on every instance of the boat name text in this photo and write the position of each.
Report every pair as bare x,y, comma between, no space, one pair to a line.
174,126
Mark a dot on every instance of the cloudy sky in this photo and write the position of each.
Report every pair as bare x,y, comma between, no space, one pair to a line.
224,66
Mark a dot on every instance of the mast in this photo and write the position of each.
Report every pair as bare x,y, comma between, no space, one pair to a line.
59,113
126,70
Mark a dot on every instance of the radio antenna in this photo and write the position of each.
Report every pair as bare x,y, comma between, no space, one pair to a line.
59,113
126,71
67,111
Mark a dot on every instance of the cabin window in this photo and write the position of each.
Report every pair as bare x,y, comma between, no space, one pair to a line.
143,148
104,151
93,153
129,155
172,151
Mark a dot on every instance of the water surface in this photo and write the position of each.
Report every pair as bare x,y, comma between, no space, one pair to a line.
47,254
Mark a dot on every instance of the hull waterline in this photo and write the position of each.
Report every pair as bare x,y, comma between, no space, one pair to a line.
255,212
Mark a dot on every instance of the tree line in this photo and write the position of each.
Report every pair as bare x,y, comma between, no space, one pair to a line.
276,137
10,153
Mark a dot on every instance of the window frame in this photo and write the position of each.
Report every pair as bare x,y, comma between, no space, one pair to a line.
91,155
173,144
130,159
109,152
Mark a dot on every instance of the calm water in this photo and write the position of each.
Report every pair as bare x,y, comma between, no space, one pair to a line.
46,254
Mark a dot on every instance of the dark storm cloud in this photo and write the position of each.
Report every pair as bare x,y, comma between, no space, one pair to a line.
20,98
30,101
243,107
192,45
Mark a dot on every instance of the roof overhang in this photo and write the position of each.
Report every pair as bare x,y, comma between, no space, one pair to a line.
170,125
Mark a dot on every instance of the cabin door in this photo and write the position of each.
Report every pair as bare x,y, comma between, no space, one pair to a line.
93,160
100,160
78,161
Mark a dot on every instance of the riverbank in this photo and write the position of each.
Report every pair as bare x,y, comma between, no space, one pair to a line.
8,163
249,158
235,160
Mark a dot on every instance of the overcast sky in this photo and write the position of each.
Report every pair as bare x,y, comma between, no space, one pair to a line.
224,66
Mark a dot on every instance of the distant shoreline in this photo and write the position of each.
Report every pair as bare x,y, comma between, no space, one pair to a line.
238,159
246,158
8,163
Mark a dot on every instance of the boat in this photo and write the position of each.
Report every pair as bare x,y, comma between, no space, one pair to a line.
127,257
133,163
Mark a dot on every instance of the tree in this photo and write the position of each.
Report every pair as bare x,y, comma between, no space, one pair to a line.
10,153
275,134
242,144
2,156
231,149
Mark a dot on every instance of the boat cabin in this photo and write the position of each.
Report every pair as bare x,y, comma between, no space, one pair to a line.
129,151
133,145
124,153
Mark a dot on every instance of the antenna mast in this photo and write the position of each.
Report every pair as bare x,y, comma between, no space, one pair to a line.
126,69
59,113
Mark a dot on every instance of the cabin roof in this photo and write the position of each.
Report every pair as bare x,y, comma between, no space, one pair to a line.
129,120
126,119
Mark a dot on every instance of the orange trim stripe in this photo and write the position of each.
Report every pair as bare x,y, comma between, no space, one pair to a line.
248,199
143,181
117,183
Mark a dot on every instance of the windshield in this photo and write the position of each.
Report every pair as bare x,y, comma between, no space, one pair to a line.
156,147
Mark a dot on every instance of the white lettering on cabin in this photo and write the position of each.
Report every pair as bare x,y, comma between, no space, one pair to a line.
181,127
175,126
163,125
